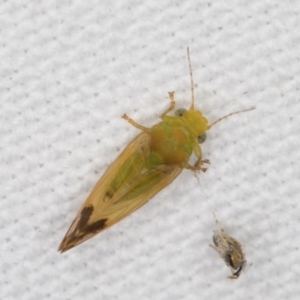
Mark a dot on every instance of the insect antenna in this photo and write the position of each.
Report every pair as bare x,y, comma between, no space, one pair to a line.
233,113
192,81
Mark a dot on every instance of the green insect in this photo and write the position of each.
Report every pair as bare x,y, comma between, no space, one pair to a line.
148,164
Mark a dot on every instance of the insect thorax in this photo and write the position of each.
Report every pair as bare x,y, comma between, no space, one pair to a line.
171,144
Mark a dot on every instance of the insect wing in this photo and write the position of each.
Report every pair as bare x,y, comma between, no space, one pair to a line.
124,187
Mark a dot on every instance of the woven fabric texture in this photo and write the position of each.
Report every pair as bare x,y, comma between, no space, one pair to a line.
71,69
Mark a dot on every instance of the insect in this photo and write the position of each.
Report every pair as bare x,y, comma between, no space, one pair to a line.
230,250
148,164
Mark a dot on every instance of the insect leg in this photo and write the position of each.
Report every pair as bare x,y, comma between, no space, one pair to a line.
197,166
135,124
200,161
172,104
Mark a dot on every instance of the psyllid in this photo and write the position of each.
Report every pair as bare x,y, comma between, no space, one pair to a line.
149,163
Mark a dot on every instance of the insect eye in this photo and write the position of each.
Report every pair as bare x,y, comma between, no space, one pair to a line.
201,138
180,112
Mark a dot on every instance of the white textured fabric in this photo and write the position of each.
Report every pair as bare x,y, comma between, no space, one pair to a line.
71,69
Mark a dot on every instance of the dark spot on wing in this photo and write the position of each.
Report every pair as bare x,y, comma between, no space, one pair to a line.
83,230
80,233
109,194
85,216
97,226
83,225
